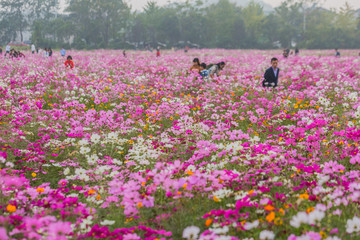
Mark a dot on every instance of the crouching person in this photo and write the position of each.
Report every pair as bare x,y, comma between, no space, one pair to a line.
271,75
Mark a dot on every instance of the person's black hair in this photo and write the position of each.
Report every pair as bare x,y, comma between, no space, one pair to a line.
203,65
69,57
274,59
221,63
196,60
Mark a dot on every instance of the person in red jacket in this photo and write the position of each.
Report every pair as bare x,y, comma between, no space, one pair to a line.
158,52
69,62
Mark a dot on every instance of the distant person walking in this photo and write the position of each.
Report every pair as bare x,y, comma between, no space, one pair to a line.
63,52
50,52
7,50
337,53
33,48
124,53
0,50
271,75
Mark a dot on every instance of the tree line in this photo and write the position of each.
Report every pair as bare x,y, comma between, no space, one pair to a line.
92,24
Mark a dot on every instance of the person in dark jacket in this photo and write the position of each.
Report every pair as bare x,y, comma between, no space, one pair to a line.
271,75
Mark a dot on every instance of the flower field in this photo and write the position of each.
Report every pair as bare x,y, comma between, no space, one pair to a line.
138,148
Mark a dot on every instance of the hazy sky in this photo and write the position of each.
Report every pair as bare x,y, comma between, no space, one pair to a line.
139,4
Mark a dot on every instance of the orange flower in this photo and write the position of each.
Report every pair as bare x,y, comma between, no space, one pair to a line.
208,222
33,174
139,205
91,191
40,190
216,199
189,173
269,208
98,197
282,211
270,217
310,209
11,208
304,196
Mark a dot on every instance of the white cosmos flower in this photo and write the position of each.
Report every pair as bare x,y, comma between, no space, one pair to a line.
66,171
223,230
267,235
353,225
95,138
92,159
315,217
191,233
249,225
87,221
107,222
112,136
299,219
332,238
84,150
83,142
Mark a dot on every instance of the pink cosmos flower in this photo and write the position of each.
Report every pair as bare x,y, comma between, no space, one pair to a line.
59,230
355,159
3,234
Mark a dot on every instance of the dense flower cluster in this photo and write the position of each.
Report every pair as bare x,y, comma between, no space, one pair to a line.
138,148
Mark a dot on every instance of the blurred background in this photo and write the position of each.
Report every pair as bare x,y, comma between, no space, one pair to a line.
141,24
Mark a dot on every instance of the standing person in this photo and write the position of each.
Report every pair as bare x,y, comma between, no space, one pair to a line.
7,50
50,52
46,53
158,52
337,53
69,62
297,51
271,75
33,49
63,52
215,69
124,53
186,49
0,50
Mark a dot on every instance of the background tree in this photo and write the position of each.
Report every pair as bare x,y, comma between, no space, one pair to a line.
94,24
16,14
